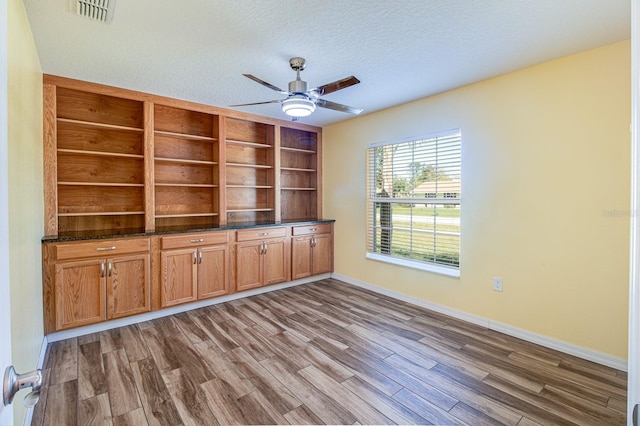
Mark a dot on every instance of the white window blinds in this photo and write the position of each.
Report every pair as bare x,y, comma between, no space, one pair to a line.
413,201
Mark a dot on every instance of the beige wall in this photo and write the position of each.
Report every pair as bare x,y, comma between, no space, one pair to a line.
25,194
546,154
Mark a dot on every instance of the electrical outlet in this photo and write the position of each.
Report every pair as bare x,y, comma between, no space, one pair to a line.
497,283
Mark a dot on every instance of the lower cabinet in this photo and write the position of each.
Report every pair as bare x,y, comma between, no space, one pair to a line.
91,281
197,272
89,288
311,250
262,257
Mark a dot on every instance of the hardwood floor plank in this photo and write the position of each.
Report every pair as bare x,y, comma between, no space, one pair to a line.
89,338
224,405
492,408
362,370
281,348
552,406
617,404
189,399
256,408
322,406
302,416
91,377
132,418
523,407
602,414
425,408
111,340
158,406
194,332
528,422
123,395
133,343
391,408
216,334
224,369
471,416
95,411
62,404
363,412
63,361
272,389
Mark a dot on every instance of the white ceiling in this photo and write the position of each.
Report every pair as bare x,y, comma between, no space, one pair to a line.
400,50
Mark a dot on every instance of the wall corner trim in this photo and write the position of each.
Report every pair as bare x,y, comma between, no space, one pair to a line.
568,348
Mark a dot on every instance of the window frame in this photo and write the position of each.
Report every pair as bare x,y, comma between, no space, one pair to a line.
373,199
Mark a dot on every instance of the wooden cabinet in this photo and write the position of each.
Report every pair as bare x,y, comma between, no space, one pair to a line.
90,282
262,257
311,250
194,267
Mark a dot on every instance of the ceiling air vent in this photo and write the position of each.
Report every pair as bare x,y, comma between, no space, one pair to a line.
99,10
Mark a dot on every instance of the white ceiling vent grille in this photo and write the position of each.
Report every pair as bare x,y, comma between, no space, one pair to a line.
99,10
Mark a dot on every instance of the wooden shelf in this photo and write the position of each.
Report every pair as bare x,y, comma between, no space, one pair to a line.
107,184
100,153
188,185
99,125
249,144
186,215
184,136
295,169
251,166
180,160
302,151
299,189
250,210
110,213
251,186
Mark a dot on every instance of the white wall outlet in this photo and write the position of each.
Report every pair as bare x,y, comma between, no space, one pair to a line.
497,283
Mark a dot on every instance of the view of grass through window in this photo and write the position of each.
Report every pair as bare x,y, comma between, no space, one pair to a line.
414,194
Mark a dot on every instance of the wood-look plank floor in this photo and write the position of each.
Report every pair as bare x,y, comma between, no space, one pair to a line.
320,353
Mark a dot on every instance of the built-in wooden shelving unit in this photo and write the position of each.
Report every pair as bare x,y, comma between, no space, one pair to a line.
122,160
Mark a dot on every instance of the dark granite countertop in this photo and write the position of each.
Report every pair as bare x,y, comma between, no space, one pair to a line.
126,233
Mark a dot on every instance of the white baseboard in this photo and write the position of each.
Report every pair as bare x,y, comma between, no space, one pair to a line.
568,348
121,322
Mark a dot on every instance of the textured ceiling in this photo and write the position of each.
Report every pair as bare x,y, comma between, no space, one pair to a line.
400,50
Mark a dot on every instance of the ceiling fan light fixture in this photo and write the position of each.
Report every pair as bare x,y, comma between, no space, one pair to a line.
298,106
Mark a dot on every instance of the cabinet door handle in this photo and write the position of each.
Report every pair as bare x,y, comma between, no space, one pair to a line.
106,248
200,257
195,258
265,248
199,240
102,269
313,241
110,268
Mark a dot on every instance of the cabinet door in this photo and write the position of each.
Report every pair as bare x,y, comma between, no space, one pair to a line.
178,278
128,283
213,271
248,265
80,293
275,261
322,254
301,257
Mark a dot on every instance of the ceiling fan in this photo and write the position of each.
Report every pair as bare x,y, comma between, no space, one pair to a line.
300,102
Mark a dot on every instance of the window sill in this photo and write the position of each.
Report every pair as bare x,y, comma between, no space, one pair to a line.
437,269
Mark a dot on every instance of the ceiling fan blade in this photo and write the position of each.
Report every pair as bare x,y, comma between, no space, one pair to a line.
264,83
335,86
275,101
338,107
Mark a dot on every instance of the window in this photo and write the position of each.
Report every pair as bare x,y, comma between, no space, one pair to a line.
413,202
